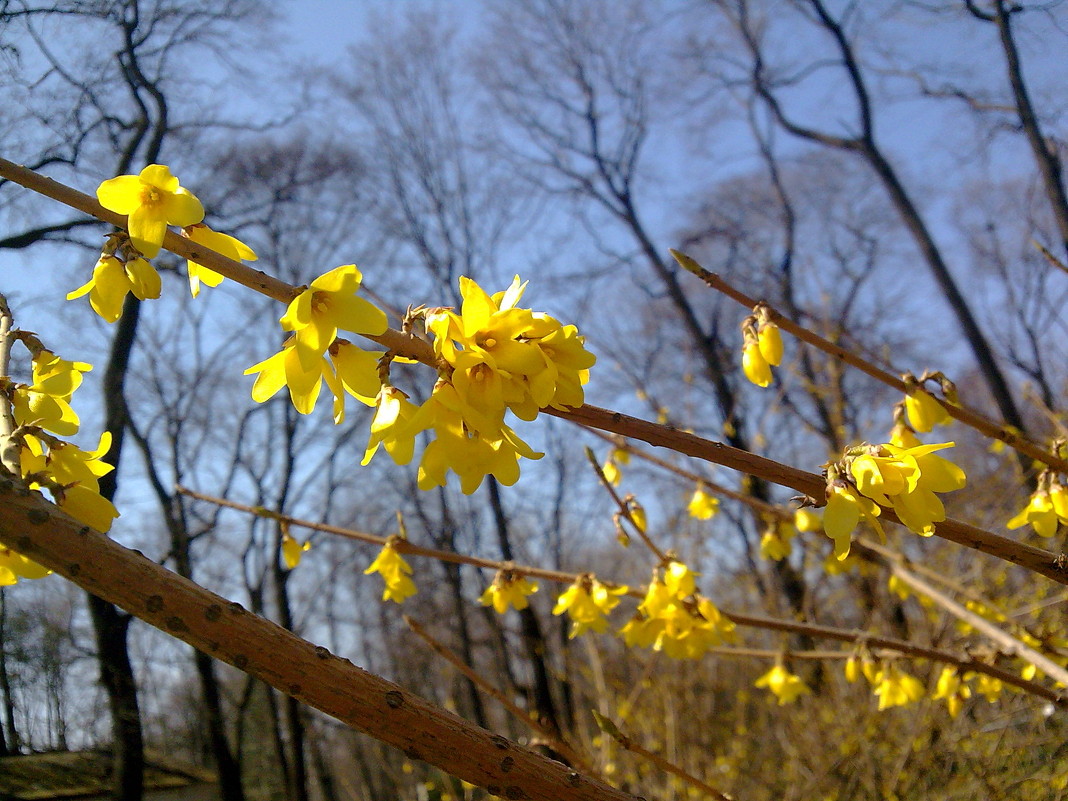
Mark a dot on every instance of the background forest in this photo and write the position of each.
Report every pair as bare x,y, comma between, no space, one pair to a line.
883,173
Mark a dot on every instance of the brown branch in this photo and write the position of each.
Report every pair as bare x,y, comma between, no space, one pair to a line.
1051,565
298,668
963,414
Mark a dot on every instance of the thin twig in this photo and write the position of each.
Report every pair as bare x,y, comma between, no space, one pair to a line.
969,417
612,730
965,662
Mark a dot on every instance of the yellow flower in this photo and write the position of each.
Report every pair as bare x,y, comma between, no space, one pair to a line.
153,200
897,688
845,506
612,473
112,280
508,589
55,376
952,690
770,342
907,479
285,369
637,515
987,686
71,475
923,410
784,685
292,550
330,303
702,505
14,566
1058,496
223,244
391,426
507,356
466,442
754,365
395,572
775,546
587,602
808,520
1039,513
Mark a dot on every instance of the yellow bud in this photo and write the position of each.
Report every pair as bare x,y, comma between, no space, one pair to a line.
852,669
755,366
924,411
770,342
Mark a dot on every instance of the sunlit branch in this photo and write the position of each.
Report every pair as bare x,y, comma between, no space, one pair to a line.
963,414
1051,565
296,667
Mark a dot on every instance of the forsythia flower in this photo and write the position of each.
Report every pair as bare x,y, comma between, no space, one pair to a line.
776,543
896,688
952,690
587,602
112,280
987,686
46,402
71,475
1039,513
228,246
285,369
770,342
391,427
395,572
505,356
754,365
702,505
14,566
784,685
466,442
153,200
508,589
808,520
292,550
904,478
330,303
924,412
845,506
673,619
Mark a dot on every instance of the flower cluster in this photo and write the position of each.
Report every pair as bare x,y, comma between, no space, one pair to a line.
152,201
508,589
588,602
903,474
314,318
674,619
762,346
893,686
70,474
1047,507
